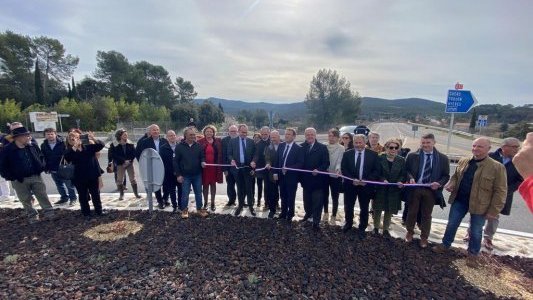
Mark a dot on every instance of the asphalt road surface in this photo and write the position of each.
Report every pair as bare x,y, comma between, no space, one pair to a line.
519,220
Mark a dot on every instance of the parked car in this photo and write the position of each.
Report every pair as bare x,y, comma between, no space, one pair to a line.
354,129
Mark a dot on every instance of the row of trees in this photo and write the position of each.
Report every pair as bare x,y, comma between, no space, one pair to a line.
103,113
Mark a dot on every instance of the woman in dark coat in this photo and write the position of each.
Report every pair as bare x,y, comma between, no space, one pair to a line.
388,198
123,155
87,171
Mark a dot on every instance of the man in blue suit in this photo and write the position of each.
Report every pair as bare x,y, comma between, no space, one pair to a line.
242,156
290,155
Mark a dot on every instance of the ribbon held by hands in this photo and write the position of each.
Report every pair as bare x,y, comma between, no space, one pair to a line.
329,174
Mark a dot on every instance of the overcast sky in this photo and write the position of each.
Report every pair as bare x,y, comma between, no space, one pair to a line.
269,50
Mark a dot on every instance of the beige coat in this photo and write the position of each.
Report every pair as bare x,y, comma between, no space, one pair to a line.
489,188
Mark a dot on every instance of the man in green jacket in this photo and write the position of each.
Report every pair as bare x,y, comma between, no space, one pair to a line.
478,186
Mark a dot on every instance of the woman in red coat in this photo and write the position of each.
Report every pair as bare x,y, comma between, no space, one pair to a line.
212,147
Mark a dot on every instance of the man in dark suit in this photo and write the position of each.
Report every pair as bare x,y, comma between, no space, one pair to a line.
233,132
426,166
241,154
504,155
154,141
361,164
316,158
289,156
271,182
261,176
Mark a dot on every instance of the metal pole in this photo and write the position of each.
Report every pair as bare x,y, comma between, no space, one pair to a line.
450,134
150,182
60,125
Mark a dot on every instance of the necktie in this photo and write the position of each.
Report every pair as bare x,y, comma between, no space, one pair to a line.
426,175
358,164
243,146
285,153
310,147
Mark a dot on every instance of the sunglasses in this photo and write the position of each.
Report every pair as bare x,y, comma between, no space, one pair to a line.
394,148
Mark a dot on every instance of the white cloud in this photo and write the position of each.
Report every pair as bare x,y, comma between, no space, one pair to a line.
270,50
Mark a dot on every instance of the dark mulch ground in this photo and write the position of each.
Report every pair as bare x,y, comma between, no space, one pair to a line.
221,256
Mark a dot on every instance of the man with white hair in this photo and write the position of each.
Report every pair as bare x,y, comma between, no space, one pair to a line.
154,141
504,155
478,186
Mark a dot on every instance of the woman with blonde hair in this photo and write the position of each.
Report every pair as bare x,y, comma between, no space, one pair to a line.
388,198
211,175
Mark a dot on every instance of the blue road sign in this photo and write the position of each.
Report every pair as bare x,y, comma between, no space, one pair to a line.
460,101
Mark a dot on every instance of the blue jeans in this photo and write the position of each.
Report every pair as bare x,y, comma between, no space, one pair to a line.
61,184
457,213
196,181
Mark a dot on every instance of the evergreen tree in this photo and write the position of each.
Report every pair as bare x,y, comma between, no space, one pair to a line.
473,121
69,95
39,91
74,90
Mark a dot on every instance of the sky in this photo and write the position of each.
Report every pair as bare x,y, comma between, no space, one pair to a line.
257,50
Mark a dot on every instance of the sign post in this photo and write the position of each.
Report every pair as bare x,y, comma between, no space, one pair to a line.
415,129
459,101
152,173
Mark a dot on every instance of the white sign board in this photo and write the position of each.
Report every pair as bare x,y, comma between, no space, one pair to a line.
152,172
43,120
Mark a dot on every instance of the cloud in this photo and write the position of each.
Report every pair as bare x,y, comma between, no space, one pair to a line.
270,50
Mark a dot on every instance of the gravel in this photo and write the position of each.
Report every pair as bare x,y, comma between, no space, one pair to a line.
221,257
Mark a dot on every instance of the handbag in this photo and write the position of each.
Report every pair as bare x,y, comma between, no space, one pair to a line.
65,170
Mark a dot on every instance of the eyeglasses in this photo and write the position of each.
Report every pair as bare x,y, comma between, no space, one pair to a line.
393,148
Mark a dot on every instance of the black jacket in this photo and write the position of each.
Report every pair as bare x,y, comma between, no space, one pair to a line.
513,180
117,153
225,148
370,166
260,154
440,171
294,160
188,159
148,143
317,158
10,160
167,155
53,157
85,162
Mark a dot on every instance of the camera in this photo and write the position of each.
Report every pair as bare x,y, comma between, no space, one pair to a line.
84,138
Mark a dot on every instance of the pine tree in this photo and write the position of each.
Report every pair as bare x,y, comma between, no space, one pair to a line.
39,91
220,107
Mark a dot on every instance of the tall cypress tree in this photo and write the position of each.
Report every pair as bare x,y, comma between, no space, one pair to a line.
39,91
74,89
473,121
69,95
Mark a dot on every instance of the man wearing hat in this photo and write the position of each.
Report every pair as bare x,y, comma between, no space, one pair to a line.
22,163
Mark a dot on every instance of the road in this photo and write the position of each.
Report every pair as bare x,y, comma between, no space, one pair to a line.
520,219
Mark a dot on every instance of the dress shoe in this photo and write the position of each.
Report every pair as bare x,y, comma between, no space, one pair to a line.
252,211
346,228
375,231
409,237
361,235
386,234
488,244
185,214
167,203
423,243
271,215
439,249
61,201
73,202
238,211
174,209
316,227
305,218
230,203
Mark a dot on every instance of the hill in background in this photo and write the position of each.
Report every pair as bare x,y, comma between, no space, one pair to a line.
370,107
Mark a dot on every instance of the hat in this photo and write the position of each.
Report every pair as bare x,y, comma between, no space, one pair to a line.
19,131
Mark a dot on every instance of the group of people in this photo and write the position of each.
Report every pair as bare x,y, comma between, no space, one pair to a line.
378,176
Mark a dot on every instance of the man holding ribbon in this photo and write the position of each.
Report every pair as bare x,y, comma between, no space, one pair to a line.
362,165
242,155
429,167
